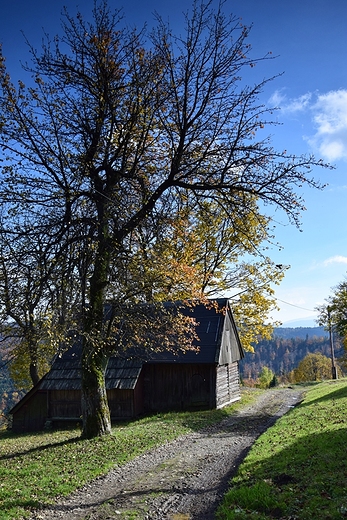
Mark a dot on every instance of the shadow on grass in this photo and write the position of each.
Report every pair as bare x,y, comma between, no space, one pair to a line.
10,508
306,480
333,395
40,448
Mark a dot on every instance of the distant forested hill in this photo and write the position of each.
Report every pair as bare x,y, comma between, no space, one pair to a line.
300,332
286,349
9,395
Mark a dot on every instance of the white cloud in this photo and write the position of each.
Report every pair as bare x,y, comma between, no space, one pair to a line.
337,259
298,104
330,119
279,99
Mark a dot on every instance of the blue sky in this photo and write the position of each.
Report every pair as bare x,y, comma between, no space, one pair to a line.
309,40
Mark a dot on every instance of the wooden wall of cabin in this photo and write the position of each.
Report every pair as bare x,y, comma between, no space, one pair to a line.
121,403
228,384
62,407
64,404
32,415
178,387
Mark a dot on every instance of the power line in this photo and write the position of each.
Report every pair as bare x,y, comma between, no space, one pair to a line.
292,304
279,300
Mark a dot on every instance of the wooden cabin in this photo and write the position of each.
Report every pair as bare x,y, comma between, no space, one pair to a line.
203,379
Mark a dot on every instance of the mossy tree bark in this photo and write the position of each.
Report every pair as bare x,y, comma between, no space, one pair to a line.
95,409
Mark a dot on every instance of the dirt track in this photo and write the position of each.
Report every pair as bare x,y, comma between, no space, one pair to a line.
181,480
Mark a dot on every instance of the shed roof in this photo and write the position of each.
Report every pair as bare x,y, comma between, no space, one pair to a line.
218,342
65,373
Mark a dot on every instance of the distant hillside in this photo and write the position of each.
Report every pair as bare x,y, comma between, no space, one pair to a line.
300,332
286,349
9,394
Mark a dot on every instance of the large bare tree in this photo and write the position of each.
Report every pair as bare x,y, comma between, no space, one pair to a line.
114,130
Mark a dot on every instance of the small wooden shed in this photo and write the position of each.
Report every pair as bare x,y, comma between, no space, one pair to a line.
208,378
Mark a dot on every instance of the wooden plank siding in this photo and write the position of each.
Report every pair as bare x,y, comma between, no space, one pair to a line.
126,404
177,387
60,408
227,384
64,403
32,415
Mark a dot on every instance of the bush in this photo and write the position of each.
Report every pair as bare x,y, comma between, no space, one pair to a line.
266,376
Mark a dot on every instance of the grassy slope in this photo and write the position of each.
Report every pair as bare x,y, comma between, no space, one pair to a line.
297,469
36,468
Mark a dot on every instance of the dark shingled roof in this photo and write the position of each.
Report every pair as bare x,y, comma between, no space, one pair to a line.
210,328
65,373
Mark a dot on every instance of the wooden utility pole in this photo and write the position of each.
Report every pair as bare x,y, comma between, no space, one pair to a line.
331,338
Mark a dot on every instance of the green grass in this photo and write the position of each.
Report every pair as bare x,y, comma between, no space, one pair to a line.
36,468
296,470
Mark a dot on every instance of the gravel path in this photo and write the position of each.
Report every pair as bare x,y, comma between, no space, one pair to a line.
181,480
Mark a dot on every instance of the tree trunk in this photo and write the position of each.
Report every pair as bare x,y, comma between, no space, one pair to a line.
95,409
33,347
34,374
